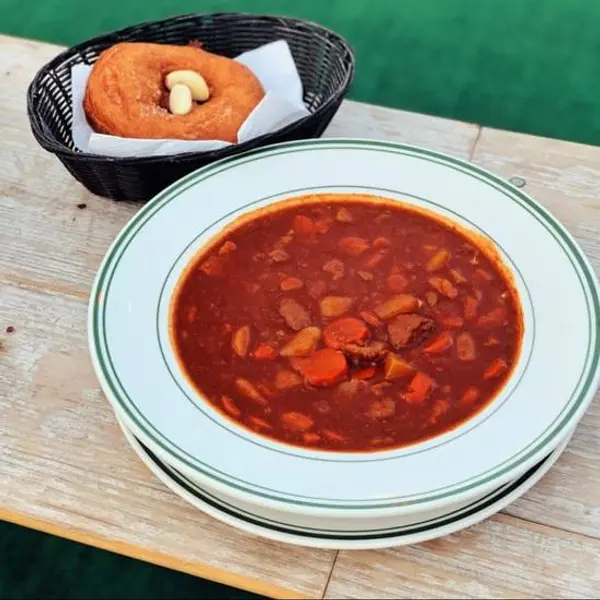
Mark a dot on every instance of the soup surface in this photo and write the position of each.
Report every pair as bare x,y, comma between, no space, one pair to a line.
346,323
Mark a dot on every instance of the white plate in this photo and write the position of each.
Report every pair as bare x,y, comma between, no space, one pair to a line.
542,402
277,528
335,522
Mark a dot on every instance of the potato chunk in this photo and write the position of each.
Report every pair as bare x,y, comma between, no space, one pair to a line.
287,380
444,287
296,421
295,315
303,343
438,260
240,341
335,306
396,305
246,388
465,346
395,367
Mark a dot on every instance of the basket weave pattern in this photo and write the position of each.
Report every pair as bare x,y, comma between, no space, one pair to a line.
324,60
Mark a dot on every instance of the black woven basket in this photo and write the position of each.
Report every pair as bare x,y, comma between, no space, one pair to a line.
324,60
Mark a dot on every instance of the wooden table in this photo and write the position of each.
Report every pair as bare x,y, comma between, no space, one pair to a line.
65,468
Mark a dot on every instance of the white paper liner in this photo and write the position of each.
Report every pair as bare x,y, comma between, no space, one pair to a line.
282,104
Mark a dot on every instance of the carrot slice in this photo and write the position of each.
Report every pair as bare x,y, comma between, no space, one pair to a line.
397,283
381,242
290,283
348,330
363,374
441,343
265,352
326,367
304,225
419,388
469,397
372,261
353,246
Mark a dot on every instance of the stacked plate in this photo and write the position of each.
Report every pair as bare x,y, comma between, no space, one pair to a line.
346,499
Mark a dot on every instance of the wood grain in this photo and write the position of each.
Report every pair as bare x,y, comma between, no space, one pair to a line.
358,120
503,557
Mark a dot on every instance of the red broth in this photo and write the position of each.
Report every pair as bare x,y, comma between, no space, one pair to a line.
346,323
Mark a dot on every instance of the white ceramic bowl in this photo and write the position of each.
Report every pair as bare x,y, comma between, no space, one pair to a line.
548,392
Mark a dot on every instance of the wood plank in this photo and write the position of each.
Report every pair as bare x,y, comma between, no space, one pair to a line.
359,120
67,469
564,177
503,557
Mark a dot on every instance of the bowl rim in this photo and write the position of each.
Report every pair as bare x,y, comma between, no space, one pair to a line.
532,456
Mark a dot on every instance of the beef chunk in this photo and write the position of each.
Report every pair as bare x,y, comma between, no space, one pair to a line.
409,330
294,314
365,355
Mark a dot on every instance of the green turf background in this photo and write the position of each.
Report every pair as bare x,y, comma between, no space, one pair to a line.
525,65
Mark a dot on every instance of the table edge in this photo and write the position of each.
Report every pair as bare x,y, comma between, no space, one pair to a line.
155,557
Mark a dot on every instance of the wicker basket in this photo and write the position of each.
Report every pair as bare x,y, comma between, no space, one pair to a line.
324,60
